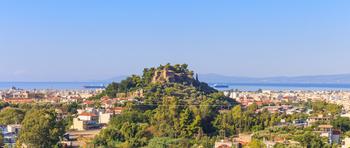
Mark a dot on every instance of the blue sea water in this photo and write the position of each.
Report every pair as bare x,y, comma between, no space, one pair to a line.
239,86
286,86
50,85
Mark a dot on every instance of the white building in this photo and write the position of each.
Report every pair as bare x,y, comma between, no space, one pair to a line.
104,118
346,142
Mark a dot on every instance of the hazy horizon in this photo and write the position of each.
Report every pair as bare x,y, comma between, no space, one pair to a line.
86,40
121,77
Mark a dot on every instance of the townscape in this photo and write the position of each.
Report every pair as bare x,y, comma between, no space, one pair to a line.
339,97
174,74
168,106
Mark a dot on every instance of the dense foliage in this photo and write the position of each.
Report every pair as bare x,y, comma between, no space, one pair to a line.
11,116
40,129
178,108
175,109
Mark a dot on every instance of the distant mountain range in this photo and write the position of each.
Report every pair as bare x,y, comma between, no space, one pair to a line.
217,78
329,79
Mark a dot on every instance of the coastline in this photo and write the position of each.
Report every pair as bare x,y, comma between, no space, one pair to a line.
239,86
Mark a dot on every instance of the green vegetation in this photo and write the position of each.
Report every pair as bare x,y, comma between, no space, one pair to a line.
305,136
326,108
177,110
342,123
173,109
40,129
40,125
155,80
11,116
311,140
256,144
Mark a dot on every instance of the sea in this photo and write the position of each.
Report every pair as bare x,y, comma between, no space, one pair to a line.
239,86
50,85
286,86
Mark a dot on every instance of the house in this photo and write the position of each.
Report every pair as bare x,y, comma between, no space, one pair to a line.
85,121
332,134
104,118
336,136
86,116
346,143
105,98
10,134
223,144
319,118
20,95
107,103
88,109
15,128
81,125
269,144
116,110
88,103
18,100
325,130
300,123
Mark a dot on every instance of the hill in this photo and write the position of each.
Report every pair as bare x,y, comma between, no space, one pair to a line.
171,103
157,78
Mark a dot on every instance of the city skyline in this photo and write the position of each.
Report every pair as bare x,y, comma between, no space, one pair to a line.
86,40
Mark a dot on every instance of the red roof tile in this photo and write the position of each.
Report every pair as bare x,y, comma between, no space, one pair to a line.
87,114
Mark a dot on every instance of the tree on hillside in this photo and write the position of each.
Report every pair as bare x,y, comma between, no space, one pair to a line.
40,129
11,116
164,142
310,140
342,123
256,144
112,90
178,110
3,105
326,108
126,130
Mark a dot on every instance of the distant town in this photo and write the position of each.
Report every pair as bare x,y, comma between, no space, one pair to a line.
169,107
89,119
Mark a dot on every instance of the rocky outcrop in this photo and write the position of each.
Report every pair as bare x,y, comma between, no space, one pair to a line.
169,76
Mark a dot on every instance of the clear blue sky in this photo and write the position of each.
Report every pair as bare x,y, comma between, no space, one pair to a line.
77,40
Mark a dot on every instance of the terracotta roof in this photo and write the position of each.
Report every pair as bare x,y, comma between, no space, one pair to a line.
105,98
118,108
107,101
87,114
18,100
119,99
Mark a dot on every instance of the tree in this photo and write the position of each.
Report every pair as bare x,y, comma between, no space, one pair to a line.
256,144
179,110
126,130
112,90
73,107
342,123
164,142
11,116
3,105
324,107
310,140
40,129
1,140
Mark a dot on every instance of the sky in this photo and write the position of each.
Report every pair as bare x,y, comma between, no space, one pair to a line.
83,40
